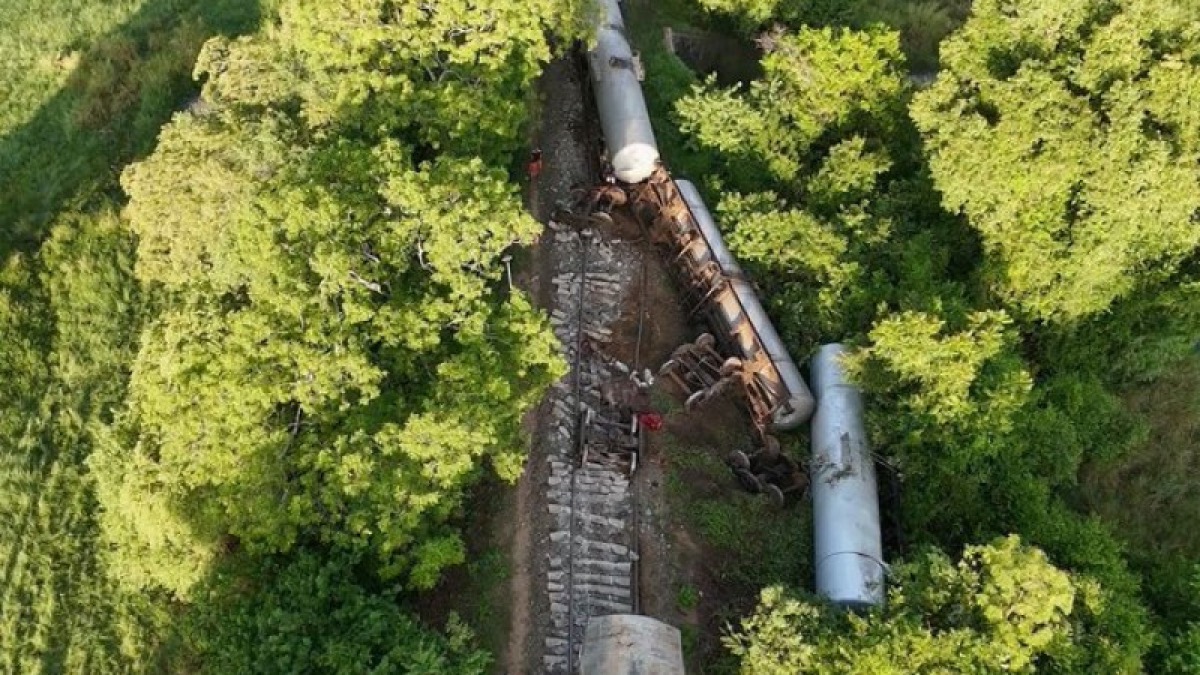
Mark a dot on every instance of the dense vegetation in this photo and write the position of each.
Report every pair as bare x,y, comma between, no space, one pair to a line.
329,363
1009,248
997,609
240,411
253,351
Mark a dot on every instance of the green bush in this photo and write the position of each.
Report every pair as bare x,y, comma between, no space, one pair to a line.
306,614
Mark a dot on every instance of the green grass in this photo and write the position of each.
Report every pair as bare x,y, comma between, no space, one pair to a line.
687,597
86,85
487,614
744,542
479,592
1151,494
757,544
689,638
1148,492
62,613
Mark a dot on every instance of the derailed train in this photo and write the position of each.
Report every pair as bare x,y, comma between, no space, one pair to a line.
848,549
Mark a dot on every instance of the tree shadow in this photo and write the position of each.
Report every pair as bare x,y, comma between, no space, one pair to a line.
123,87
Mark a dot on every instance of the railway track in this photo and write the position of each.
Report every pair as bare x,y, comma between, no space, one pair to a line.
592,548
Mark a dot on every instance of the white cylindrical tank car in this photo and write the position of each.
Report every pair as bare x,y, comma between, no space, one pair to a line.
628,644
849,554
745,321
848,550
624,119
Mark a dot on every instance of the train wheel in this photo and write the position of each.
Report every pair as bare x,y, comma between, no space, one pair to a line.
668,367
694,400
731,366
722,386
748,481
799,482
738,460
706,341
775,495
770,449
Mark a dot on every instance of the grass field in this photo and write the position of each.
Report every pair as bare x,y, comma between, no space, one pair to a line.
731,543
87,84
1150,491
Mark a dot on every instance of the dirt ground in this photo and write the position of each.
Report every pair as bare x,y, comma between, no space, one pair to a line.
570,152
699,534
497,591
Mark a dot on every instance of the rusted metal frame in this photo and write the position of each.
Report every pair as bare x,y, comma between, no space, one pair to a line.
659,196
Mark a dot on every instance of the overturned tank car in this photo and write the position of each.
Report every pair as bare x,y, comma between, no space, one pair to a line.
848,549
752,361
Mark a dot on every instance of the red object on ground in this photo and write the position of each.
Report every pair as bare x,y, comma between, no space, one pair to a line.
535,164
650,421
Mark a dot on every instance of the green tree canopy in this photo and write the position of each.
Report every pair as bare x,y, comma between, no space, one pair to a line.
332,361
1001,609
816,85
985,416
1067,132
967,380
306,614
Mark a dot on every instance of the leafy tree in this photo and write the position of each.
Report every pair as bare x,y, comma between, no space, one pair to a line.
958,412
1002,608
451,76
856,228
816,84
1064,132
318,350
824,211
964,380
1180,652
922,24
752,15
306,614
1139,339
1184,651
333,363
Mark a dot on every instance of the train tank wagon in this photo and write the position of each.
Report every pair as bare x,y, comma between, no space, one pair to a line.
764,362
629,644
777,396
848,549
849,557
633,152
